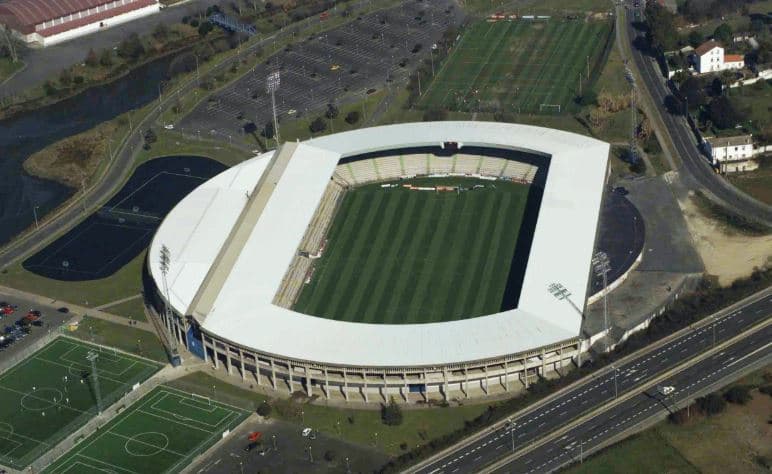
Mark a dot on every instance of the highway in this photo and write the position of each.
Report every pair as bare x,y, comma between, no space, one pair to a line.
601,389
694,165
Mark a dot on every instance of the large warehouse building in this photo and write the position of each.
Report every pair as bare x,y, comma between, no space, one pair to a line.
47,22
231,259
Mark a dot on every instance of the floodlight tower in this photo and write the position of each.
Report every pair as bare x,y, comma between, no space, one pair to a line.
561,293
92,357
165,260
272,85
601,266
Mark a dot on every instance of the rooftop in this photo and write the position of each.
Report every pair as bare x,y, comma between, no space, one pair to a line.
706,47
202,229
736,140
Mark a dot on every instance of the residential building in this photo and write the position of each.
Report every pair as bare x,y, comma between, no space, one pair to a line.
710,57
731,154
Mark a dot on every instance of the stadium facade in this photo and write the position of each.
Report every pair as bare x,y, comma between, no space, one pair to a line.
239,249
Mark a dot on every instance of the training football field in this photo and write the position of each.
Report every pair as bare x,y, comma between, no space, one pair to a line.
518,66
51,393
159,433
403,256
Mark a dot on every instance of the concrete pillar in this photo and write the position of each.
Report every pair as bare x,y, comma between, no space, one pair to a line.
364,391
228,362
345,384
203,344
273,374
561,360
506,376
291,380
466,381
426,386
257,368
445,383
216,358
543,363
385,388
308,381
525,372
406,390
485,370
326,384
243,366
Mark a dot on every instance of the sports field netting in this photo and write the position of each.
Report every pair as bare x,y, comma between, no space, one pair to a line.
160,433
402,256
518,66
51,393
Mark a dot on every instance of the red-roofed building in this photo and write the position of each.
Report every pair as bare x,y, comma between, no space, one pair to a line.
47,22
710,57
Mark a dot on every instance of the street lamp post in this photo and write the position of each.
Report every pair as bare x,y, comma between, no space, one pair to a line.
601,266
272,85
35,213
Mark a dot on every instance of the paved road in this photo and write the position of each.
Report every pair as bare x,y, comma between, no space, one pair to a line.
45,63
705,376
693,165
601,389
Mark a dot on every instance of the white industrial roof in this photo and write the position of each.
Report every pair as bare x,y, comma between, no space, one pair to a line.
243,312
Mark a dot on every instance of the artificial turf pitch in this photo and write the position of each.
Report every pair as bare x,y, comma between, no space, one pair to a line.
51,393
159,433
516,66
402,256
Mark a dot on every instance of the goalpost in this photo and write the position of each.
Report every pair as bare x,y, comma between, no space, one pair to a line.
549,107
202,398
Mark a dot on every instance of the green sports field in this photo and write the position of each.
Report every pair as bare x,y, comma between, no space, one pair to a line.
516,66
403,256
159,433
50,394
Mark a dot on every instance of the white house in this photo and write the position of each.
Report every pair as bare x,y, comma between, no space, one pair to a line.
731,154
710,57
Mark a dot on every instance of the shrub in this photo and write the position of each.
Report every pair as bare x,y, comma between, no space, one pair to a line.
106,58
92,60
264,409
433,115
330,455
352,117
766,390
331,111
711,404
391,414
318,125
131,48
739,394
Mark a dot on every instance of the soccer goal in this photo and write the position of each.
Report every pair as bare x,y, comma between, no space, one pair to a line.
549,108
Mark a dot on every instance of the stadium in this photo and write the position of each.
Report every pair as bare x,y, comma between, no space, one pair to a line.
412,261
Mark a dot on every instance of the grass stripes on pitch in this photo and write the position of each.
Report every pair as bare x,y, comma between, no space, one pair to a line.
160,433
515,66
401,256
50,394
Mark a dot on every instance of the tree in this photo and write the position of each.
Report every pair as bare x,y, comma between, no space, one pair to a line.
161,31
739,394
92,60
695,38
711,404
662,33
693,91
352,117
318,125
722,113
723,34
716,87
330,455
264,409
331,111
268,130
106,58
673,105
65,77
131,48
204,28
391,414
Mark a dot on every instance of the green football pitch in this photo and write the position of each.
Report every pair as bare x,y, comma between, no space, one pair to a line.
159,433
402,256
51,393
517,66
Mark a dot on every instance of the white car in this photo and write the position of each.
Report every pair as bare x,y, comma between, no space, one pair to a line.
292,112
169,126
306,432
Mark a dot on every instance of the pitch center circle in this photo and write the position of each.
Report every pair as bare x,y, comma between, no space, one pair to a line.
148,443
41,399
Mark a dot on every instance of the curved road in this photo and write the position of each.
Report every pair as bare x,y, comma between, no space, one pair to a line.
694,165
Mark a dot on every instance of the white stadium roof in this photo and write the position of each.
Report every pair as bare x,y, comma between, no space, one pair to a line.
242,311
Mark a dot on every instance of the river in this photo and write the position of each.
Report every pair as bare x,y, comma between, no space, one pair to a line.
29,132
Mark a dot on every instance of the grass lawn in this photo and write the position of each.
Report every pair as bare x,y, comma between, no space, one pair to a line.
132,309
756,183
8,68
402,256
532,7
754,103
161,432
50,394
128,339
171,143
647,452
517,66
356,426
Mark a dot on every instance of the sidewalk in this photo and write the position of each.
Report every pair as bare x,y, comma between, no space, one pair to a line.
77,310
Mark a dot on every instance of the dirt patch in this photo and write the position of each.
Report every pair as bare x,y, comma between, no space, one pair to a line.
730,442
726,253
74,159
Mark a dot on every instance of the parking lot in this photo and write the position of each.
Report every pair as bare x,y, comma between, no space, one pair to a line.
283,448
339,65
15,338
